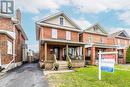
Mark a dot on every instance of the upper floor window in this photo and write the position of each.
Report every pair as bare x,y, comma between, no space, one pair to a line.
68,35
125,42
90,39
61,21
54,33
118,41
102,40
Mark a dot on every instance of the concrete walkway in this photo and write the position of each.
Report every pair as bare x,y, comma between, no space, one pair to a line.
29,75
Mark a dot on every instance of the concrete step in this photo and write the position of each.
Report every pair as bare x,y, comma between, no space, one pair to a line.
62,62
63,65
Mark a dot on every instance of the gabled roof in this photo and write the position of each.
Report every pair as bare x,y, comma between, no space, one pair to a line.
120,34
59,14
98,26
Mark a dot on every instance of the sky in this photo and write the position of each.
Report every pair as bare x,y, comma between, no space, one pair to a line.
112,15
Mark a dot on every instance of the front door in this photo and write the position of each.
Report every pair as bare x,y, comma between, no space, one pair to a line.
57,52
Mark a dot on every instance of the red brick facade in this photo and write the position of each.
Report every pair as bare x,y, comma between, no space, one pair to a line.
106,41
19,41
46,33
6,24
6,58
18,38
95,38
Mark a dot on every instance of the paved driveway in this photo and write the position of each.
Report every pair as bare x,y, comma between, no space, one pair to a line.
29,75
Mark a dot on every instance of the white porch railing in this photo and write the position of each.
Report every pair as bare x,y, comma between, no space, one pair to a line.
9,64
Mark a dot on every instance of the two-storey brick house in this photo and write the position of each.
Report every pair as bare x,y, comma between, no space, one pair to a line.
59,35
12,37
97,39
121,39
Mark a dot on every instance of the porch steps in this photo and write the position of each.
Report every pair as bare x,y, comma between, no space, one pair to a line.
63,65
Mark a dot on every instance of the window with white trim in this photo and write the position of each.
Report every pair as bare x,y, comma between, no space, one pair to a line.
9,47
54,33
68,35
118,41
90,39
101,40
61,21
125,42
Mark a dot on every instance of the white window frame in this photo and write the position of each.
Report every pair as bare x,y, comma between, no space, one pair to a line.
54,33
90,39
9,47
125,42
68,35
62,21
102,39
118,41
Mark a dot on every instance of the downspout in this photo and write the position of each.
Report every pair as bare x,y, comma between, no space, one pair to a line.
14,52
14,46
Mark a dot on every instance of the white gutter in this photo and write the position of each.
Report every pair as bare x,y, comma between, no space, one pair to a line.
61,27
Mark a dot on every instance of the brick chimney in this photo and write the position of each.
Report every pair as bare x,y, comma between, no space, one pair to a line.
18,15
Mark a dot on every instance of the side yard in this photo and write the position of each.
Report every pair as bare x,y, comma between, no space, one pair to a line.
88,77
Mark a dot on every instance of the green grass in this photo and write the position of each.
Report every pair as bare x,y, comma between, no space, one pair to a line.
88,77
125,67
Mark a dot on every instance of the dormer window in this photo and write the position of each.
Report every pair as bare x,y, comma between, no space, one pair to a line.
61,21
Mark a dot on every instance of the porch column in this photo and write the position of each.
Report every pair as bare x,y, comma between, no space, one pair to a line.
124,56
61,53
116,56
92,55
40,51
66,50
45,45
83,52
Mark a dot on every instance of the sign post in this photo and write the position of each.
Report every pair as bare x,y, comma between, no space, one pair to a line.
99,66
106,62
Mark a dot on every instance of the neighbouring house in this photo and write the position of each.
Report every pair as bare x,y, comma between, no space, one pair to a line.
12,39
30,56
97,39
122,40
58,35
25,53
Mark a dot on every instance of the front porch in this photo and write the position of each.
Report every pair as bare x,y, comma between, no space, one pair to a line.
75,51
91,53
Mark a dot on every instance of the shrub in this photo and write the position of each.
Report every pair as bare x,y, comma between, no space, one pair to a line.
128,55
69,65
56,66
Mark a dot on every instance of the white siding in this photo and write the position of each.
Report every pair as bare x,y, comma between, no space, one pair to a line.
56,21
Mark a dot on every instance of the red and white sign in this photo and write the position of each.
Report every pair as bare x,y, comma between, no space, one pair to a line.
106,62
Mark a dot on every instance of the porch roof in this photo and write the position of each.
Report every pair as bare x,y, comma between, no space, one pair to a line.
105,45
101,45
62,42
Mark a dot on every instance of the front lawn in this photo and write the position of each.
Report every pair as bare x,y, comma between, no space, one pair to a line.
125,67
88,77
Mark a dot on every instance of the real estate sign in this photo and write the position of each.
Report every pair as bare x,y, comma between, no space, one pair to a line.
106,62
